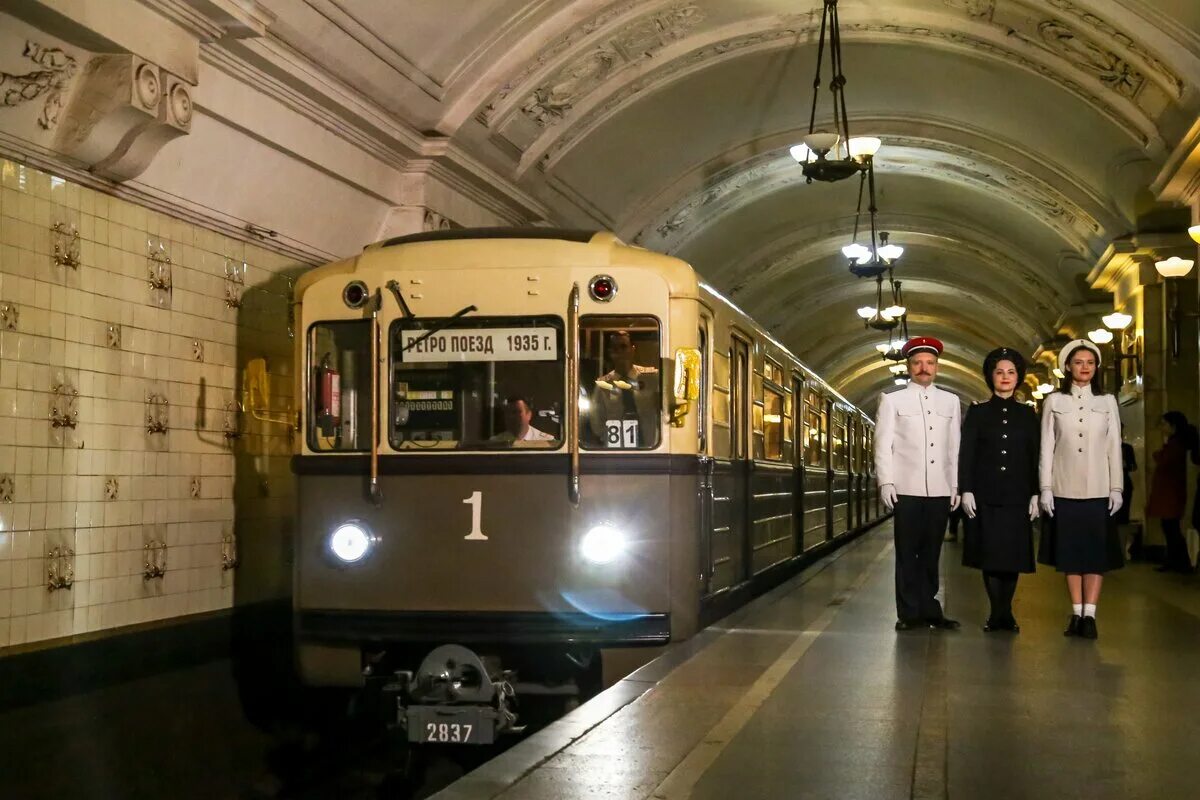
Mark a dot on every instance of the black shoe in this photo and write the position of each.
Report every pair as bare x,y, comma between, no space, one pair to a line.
1073,627
1012,625
909,625
944,623
992,627
1087,628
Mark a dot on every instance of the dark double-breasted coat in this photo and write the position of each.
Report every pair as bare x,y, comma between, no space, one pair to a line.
998,464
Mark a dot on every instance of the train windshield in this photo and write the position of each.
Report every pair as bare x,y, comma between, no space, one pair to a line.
619,383
476,383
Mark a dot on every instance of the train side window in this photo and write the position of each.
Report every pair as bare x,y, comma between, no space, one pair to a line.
339,407
814,429
620,383
774,404
705,390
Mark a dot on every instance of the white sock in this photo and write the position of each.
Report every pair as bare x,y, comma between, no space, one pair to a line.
1089,610
1077,609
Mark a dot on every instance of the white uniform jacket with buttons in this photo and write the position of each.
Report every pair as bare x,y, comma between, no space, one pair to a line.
1081,444
916,441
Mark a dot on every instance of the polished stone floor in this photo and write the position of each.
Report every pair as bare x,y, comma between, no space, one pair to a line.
809,693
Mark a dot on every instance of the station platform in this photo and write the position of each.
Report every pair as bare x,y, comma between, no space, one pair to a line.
808,692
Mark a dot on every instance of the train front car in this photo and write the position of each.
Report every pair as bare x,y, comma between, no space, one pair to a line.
492,503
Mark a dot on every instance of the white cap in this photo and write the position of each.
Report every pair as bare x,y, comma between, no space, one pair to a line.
1073,345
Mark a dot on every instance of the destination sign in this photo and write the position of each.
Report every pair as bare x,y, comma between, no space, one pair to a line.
481,344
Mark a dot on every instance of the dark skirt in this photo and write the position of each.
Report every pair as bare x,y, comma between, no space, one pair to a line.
999,539
1081,537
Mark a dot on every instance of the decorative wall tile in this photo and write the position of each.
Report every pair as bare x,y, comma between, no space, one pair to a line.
90,327
157,413
235,282
10,315
197,350
64,232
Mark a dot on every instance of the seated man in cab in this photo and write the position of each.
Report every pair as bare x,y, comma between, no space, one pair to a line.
517,428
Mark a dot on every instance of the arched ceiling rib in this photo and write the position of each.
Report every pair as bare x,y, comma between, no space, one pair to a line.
1016,133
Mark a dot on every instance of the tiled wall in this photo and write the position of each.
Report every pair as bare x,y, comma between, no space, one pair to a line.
111,341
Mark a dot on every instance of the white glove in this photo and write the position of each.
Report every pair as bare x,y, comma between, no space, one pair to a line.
887,493
1115,501
954,501
1033,507
1048,502
968,504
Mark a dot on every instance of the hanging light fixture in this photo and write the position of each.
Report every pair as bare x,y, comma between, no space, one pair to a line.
1116,321
1100,336
1174,267
1194,232
878,255
879,318
824,155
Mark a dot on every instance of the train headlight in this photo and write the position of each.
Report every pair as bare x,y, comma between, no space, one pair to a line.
350,542
602,544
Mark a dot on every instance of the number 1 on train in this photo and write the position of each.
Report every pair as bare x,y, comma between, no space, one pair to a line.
475,501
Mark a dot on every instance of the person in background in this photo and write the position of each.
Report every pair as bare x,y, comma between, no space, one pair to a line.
1128,467
628,392
1080,477
998,478
1168,487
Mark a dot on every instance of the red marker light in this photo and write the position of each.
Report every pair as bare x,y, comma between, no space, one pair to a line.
602,288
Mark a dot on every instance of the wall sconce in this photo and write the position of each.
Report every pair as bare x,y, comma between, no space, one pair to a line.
157,410
60,569
1117,322
156,560
1176,267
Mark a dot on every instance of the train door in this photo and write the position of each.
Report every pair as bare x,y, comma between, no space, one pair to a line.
798,448
739,385
827,456
707,465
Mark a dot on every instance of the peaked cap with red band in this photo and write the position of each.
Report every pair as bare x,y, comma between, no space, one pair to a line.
921,344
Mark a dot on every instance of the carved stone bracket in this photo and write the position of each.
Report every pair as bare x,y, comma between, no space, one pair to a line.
123,113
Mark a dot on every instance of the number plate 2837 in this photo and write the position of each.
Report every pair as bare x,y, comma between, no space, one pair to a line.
451,725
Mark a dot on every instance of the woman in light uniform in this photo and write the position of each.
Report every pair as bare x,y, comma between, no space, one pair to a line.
1081,480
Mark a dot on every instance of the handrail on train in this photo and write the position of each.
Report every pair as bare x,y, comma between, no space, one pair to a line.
573,392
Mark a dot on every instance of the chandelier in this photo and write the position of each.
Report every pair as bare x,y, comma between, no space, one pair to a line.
887,318
832,156
870,261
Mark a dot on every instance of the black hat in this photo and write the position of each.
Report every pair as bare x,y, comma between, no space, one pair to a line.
1003,354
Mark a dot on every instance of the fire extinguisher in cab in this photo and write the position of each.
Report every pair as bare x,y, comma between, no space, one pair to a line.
329,398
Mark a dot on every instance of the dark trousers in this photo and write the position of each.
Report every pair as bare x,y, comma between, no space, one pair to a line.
919,524
1001,586
1177,554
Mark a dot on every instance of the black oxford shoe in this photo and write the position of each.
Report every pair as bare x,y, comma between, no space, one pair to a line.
908,625
1073,626
944,623
1087,628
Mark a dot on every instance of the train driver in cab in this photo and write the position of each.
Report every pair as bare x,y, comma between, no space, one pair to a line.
916,464
517,428
624,402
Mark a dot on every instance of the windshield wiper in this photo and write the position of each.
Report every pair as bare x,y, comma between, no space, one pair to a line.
446,323
394,288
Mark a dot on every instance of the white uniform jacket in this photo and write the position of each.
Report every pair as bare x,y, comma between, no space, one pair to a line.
1081,444
916,441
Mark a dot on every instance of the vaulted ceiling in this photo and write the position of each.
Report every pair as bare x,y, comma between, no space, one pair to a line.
1020,137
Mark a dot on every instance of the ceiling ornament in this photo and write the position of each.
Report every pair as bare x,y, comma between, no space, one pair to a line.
1110,33
976,9
1113,71
631,44
57,69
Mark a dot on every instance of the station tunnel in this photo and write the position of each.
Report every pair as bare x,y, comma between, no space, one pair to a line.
236,232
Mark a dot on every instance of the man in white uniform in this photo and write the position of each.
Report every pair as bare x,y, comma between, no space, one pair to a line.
916,464
517,416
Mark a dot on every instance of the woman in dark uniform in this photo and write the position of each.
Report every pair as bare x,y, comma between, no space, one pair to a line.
1081,481
998,479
